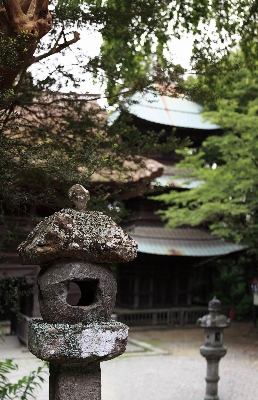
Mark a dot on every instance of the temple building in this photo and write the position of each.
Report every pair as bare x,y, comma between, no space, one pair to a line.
164,274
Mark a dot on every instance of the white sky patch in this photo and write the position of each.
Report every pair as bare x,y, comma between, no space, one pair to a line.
180,50
89,44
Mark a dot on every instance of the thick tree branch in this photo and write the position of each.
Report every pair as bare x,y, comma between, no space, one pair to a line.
25,4
56,49
13,9
58,38
40,7
32,7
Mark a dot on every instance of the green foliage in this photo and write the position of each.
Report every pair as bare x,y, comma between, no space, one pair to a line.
10,49
25,387
230,285
229,279
115,210
135,35
10,291
131,60
225,167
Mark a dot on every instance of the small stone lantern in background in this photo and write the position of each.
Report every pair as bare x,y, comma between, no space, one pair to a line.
213,350
77,246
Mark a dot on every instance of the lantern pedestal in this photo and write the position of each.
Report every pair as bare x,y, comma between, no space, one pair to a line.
74,353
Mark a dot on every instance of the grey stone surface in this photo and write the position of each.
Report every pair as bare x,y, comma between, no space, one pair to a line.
72,246
79,196
213,354
65,343
91,236
214,318
98,292
76,381
213,349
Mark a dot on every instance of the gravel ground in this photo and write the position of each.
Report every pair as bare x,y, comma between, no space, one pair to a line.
166,365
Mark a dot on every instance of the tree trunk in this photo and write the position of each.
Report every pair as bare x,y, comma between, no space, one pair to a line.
28,19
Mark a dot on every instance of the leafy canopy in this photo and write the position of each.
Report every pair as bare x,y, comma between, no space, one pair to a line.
34,147
227,165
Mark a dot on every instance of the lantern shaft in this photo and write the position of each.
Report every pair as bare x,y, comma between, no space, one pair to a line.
75,381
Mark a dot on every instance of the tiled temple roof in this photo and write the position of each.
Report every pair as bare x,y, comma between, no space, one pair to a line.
194,242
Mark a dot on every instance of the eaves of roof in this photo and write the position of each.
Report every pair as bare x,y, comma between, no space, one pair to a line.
164,110
171,177
181,242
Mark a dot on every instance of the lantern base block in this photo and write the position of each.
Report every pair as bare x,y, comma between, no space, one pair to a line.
64,343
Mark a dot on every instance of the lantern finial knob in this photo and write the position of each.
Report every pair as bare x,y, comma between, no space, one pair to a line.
79,196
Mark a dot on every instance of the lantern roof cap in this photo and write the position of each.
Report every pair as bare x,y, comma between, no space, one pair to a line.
214,319
86,235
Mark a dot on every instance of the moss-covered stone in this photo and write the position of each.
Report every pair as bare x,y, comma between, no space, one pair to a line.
60,343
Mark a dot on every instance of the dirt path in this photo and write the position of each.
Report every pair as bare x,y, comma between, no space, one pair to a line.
241,338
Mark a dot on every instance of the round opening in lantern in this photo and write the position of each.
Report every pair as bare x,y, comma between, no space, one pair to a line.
82,293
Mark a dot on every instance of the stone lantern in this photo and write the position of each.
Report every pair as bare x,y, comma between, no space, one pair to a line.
77,246
213,350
